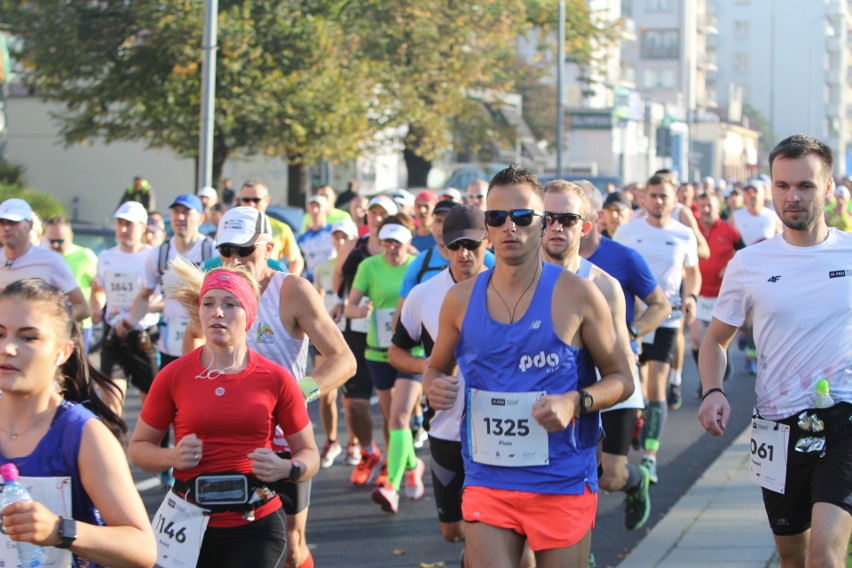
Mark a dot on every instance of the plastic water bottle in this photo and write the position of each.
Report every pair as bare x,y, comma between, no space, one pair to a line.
29,555
823,399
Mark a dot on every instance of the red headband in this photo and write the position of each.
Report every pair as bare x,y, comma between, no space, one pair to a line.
235,285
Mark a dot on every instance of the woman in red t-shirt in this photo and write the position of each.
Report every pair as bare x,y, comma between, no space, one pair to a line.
224,402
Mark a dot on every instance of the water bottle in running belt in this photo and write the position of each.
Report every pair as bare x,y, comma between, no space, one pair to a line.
29,555
823,399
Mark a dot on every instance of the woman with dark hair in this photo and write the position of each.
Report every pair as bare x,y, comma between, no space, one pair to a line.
224,401
63,438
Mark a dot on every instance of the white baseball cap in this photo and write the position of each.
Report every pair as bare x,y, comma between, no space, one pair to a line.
385,203
452,194
403,198
841,191
208,192
132,211
15,210
319,199
242,226
395,232
346,226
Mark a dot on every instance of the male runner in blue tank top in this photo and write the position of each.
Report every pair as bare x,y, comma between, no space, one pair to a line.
530,430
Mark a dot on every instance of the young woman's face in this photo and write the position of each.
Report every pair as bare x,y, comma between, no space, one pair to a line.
222,318
31,346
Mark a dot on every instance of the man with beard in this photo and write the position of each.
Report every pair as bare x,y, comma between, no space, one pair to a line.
798,286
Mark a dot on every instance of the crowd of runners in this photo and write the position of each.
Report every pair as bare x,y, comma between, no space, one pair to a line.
530,335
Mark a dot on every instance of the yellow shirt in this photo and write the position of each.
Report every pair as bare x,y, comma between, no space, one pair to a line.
285,241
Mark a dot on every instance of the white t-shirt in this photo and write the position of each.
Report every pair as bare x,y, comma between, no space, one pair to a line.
422,309
667,250
175,318
801,303
121,275
41,263
755,228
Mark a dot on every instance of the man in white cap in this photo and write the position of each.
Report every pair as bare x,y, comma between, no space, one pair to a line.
119,277
289,315
23,260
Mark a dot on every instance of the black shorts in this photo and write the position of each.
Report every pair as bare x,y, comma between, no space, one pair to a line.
384,375
295,497
260,543
165,359
124,360
664,347
359,386
618,427
814,477
447,478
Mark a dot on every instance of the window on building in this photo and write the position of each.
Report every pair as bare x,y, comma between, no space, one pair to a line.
627,8
660,44
743,2
659,5
742,61
659,79
741,29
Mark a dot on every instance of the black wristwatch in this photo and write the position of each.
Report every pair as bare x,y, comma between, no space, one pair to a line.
295,471
634,333
586,402
67,532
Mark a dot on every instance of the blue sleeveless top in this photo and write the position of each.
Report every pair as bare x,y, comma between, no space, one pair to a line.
501,357
56,456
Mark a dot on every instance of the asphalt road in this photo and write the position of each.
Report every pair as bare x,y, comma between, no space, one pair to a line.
346,529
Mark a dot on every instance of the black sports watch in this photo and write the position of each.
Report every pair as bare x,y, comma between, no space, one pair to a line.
67,532
295,471
586,402
631,329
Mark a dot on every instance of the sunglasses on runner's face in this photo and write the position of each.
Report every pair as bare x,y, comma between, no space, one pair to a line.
520,217
254,200
564,219
469,244
227,251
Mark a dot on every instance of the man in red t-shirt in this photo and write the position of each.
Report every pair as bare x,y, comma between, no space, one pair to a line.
724,240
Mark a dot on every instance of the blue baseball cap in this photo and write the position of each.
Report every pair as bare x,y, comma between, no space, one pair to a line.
189,201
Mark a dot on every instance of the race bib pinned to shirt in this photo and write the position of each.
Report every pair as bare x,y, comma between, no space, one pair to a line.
502,431
179,528
175,330
384,332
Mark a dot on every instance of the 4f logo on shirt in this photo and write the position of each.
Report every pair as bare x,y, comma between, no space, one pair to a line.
539,361
774,279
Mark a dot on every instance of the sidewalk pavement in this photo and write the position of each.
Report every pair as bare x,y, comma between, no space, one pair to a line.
719,522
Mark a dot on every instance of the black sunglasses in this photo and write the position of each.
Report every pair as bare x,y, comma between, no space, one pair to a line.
520,217
57,241
228,251
469,244
564,219
254,200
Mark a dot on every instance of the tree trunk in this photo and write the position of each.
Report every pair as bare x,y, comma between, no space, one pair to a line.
418,168
296,182
220,156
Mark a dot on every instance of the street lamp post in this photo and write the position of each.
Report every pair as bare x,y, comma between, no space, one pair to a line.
560,95
208,94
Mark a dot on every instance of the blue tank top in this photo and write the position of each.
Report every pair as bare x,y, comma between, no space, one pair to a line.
56,456
589,425
501,357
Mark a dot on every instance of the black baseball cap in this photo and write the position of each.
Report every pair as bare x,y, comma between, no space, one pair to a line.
444,205
464,222
618,199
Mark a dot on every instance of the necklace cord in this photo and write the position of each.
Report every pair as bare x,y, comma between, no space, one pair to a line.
499,295
208,372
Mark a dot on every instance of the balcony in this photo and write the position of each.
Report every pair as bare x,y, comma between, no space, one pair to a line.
834,44
707,61
708,24
628,29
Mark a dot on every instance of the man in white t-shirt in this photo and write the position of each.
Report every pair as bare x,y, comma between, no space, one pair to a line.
187,214
798,286
464,237
119,277
23,260
671,250
755,222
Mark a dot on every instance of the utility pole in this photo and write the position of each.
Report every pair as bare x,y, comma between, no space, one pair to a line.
560,93
208,95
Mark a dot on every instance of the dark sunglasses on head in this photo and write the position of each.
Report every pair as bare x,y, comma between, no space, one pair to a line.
520,217
227,251
564,219
254,200
469,244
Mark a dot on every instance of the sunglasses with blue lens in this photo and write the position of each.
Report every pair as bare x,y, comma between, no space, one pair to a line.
520,217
